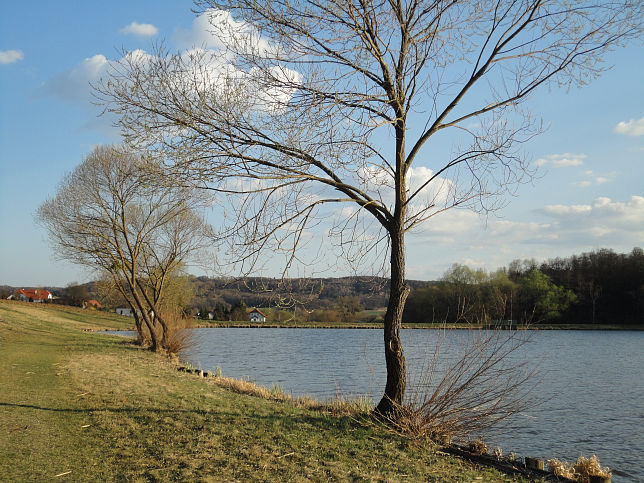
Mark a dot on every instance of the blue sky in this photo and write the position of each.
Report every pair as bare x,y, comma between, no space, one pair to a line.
589,195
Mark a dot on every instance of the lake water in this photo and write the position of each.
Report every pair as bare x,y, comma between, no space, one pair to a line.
591,382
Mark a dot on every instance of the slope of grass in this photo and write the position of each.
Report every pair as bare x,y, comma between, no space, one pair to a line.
82,406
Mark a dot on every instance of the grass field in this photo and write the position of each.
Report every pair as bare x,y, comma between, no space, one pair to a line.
82,406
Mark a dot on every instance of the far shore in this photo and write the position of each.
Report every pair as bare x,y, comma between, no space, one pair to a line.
378,325
200,324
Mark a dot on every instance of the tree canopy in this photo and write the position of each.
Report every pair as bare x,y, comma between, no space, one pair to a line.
112,216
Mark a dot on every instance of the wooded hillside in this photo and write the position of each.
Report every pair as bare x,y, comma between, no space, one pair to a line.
599,287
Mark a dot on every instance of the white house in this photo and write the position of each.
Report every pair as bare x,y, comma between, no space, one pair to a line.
256,316
124,311
32,295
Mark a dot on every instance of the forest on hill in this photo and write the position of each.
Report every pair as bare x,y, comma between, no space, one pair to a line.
599,287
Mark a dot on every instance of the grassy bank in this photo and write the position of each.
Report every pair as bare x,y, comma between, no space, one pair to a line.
82,406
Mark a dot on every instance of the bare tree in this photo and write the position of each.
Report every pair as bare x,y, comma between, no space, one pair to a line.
304,104
111,215
489,381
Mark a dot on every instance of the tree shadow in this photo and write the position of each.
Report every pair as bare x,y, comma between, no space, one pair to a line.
321,421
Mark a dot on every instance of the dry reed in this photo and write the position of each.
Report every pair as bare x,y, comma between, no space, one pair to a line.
581,470
177,337
479,388
337,406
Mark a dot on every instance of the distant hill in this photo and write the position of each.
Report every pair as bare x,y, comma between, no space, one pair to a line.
314,293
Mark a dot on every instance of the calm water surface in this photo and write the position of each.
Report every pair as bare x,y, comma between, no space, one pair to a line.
592,382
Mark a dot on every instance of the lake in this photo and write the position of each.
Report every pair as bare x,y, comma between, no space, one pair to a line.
591,382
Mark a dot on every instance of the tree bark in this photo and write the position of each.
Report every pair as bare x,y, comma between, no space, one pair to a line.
394,354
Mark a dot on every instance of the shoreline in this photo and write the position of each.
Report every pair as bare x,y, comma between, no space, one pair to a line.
96,408
376,325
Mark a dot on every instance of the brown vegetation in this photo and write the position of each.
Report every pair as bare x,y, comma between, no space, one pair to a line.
479,387
581,470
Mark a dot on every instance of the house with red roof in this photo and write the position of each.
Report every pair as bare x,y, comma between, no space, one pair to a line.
256,316
92,304
32,295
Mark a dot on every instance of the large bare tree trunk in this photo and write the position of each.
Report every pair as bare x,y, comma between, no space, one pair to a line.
394,354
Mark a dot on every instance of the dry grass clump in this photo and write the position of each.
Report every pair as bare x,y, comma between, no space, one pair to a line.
349,405
581,470
410,420
337,406
477,447
241,386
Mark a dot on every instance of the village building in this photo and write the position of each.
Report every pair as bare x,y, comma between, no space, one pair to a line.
256,315
92,304
32,295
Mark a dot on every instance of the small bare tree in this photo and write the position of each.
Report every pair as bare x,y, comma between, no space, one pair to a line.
307,104
485,380
109,214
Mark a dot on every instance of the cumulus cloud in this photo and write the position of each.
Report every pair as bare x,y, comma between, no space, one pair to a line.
454,222
603,222
140,29
566,210
458,235
634,127
428,196
563,160
215,29
74,84
594,179
206,65
10,56
602,217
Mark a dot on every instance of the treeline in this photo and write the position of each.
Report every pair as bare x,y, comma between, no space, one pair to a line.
600,287
345,309
310,294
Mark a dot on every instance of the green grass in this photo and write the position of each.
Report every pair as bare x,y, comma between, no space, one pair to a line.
92,407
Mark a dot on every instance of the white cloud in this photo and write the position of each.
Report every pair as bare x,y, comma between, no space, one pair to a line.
595,180
569,229
140,29
10,56
451,223
208,66
634,127
603,216
74,85
215,29
565,210
563,160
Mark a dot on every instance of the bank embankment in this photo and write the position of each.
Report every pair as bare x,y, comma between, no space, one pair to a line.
80,406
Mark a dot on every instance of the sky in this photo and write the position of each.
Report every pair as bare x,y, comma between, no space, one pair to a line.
589,193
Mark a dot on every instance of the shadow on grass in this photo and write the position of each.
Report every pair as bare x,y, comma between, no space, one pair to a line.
321,421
